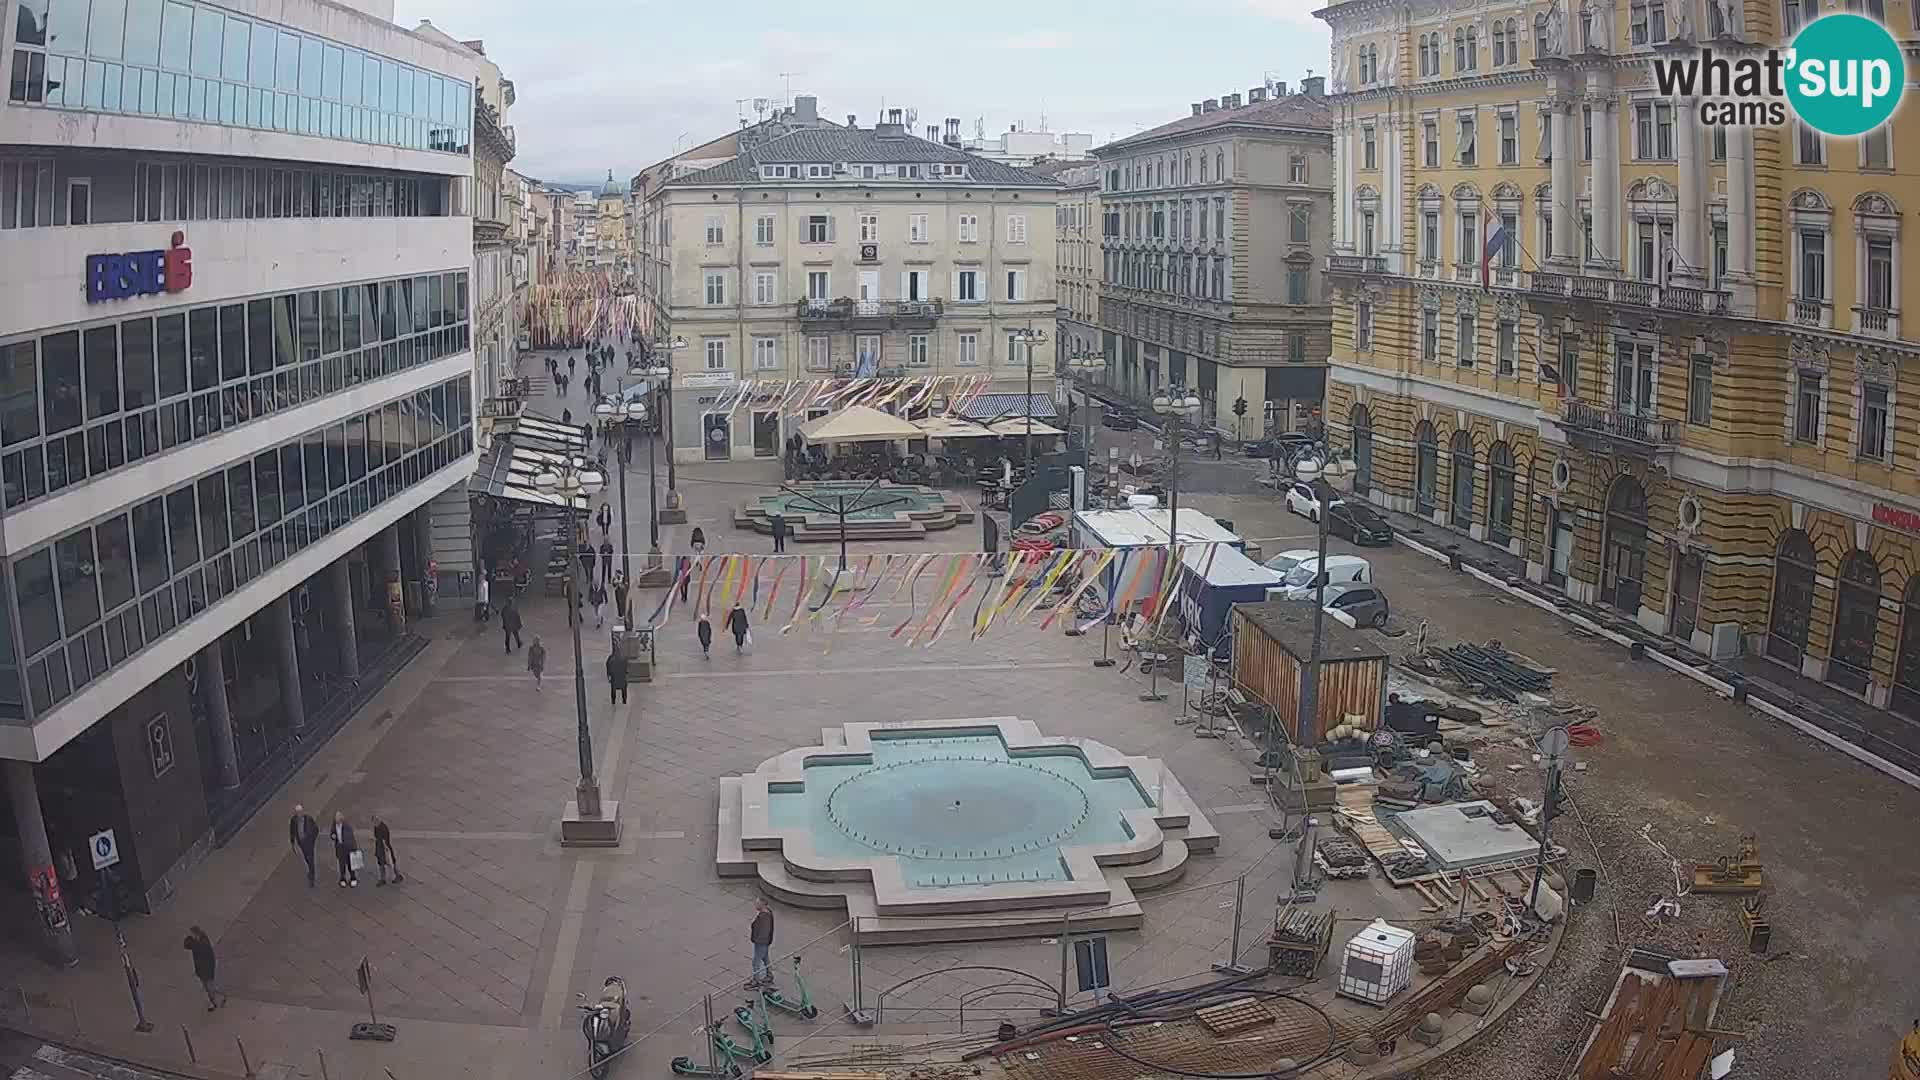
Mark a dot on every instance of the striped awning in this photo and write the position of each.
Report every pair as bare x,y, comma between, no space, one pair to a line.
509,466
1000,406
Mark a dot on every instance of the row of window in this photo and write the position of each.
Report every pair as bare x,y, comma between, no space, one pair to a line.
80,402
1173,330
193,61
1171,220
1198,276
820,355
100,594
819,229
930,170
1177,170
969,287
41,192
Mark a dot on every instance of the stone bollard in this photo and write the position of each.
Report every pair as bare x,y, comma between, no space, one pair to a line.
1364,1050
1429,1030
1479,1000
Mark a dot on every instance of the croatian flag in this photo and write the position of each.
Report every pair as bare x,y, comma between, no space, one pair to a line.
1496,242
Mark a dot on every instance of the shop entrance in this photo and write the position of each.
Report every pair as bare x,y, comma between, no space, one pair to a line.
1686,594
1624,565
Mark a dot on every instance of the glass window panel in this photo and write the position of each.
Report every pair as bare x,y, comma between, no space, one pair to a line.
149,92
266,487
436,303
260,335
19,392
213,513
209,31
96,78
369,314
260,62
350,317
102,371
203,348
330,322
150,544
106,31
287,62
293,492
67,28
310,67
356,439
419,306
240,500
183,528
330,66
389,86
284,339
309,326
350,78
233,342
389,312
39,612
171,332
136,363
314,451
31,24
60,380
79,591
111,94
115,546
238,48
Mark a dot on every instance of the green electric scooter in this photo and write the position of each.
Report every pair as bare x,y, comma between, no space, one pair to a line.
801,1004
753,1016
730,1054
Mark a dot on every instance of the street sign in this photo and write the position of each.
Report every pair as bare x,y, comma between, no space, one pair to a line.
1090,963
105,849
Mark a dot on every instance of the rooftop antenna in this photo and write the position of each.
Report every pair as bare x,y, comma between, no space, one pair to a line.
740,108
787,86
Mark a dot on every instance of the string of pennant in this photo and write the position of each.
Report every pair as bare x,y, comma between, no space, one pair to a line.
789,396
579,306
978,591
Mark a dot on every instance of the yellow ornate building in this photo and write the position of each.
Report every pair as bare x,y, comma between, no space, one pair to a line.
1684,388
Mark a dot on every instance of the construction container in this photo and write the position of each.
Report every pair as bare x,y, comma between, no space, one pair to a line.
1378,963
1272,646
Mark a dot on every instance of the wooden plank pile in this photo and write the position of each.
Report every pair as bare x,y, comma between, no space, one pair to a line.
1655,1028
1239,1014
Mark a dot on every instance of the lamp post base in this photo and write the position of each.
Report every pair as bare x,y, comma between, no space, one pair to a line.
656,575
673,513
600,830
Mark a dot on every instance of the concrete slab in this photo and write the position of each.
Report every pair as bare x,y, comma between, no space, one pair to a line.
1460,835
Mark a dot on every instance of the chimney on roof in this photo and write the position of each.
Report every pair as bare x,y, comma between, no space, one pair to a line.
1231,101
1279,89
933,133
893,127
953,132
1196,108
1256,95
1314,86
806,109
852,120
1210,105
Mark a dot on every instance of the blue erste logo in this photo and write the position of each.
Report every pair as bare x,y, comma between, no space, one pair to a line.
1845,75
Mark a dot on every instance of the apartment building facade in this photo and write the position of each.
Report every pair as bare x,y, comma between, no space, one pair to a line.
1077,258
234,336
1684,391
833,252
1215,227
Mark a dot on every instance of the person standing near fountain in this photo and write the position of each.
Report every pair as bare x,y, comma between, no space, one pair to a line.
760,934
779,522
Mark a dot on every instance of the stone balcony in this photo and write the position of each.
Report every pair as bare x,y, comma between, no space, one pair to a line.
1356,265
1597,428
845,314
1625,292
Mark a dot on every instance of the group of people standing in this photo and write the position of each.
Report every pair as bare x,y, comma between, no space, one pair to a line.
303,832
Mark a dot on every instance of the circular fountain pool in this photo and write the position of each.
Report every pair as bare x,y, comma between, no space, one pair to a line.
952,808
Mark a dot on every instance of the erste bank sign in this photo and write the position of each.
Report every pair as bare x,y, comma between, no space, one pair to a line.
140,273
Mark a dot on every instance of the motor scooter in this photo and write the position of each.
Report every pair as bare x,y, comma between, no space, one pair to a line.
606,1024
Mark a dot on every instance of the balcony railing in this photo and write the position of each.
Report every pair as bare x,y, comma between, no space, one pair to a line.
1808,311
1627,292
1621,430
1356,264
869,311
1868,319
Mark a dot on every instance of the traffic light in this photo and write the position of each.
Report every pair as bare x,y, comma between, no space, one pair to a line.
1239,406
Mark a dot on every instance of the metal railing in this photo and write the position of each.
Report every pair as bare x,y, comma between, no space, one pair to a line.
1871,319
1631,293
810,310
1624,427
1808,311
1356,264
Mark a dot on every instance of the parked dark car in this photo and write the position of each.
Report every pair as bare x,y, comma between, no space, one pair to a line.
1120,420
1282,446
1357,522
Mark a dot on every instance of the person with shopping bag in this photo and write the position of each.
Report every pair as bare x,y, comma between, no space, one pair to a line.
346,850
737,625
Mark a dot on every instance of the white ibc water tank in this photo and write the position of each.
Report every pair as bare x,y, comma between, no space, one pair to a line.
1378,963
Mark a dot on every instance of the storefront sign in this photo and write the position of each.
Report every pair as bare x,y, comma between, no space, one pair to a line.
1893,517
140,273
160,744
705,379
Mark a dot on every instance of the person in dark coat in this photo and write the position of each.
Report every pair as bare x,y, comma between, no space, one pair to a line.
537,660
303,833
617,676
597,597
683,573
737,625
604,518
704,630
345,844
760,936
606,559
204,963
510,624
383,851
698,540
779,522
621,598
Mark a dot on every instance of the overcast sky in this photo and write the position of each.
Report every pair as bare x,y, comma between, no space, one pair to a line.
605,85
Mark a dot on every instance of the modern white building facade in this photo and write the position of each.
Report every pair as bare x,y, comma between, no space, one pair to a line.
234,364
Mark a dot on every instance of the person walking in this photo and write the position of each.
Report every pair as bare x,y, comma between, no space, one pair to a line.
704,629
510,624
566,417
204,964
571,361
597,596
779,522
345,848
621,598
383,851
698,539
760,934
537,660
617,677
683,573
606,559
603,517
482,596
737,625
303,833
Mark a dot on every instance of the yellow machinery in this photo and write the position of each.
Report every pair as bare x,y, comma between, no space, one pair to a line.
1906,1060
1737,873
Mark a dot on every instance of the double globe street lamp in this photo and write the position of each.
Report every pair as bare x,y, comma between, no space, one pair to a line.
661,353
1084,364
1178,407
586,822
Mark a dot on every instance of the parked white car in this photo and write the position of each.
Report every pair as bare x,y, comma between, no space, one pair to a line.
1303,580
1287,560
1305,500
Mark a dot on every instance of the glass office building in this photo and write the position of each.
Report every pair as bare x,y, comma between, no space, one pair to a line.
235,365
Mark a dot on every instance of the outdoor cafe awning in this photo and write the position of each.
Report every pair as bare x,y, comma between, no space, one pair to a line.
1016,426
947,427
858,423
510,464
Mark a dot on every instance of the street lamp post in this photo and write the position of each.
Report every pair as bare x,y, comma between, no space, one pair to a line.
621,419
586,822
1178,406
656,573
1086,364
1310,470
1030,338
673,513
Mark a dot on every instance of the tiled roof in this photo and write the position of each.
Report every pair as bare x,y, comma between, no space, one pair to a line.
859,146
1292,111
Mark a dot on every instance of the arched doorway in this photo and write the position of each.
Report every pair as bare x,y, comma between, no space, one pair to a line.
1426,467
1362,449
1856,622
1793,574
1500,486
1624,565
1906,665
1460,512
